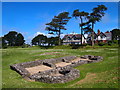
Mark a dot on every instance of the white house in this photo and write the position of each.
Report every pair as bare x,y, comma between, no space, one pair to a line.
100,37
73,39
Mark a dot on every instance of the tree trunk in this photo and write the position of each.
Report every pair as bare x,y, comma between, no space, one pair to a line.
81,29
59,38
81,35
92,34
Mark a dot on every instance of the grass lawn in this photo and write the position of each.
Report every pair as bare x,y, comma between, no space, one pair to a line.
103,74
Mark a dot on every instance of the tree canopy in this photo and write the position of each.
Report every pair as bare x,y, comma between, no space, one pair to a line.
39,40
115,34
57,24
14,38
96,16
83,18
42,40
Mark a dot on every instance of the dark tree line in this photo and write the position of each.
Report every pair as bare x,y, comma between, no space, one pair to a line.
16,39
42,40
13,38
39,40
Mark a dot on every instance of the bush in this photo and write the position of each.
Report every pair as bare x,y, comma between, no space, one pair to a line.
109,43
62,47
4,47
85,44
101,44
115,41
75,46
25,45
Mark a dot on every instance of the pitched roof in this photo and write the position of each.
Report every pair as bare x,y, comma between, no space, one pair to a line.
71,35
102,34
90,35
108,34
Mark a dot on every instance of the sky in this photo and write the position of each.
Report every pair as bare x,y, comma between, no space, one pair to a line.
29,18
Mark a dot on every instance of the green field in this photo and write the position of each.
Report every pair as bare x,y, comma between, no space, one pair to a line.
103,74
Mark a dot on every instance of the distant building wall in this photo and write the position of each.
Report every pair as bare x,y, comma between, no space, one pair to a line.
73,39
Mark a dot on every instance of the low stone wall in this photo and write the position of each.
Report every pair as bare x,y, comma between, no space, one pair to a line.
61,59
57,74
91,57
20,68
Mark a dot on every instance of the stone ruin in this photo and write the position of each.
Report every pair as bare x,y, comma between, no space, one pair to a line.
59,70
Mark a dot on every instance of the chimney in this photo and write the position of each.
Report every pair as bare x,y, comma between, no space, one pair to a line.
107,32
98,32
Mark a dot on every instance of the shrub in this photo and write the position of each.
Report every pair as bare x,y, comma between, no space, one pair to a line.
4,47
115,41
62,47
85,44
25,45
101,44
75,46
109,43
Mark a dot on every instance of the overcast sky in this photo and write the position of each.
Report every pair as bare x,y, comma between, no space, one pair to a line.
29,18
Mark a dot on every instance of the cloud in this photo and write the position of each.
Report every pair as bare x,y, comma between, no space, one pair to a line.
62,35
73,33
48,35
38,33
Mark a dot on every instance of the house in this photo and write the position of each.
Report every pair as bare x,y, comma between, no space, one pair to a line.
76,38
73,39
108,36
100,37
89,38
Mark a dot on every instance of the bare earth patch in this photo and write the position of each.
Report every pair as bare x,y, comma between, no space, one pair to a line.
57,74
62,64
36,69
77,59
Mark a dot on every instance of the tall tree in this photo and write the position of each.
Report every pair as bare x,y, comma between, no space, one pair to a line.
11,37
19,40
96,16
3,43
39,40
57,24
83,18
34,41
53,41
14,38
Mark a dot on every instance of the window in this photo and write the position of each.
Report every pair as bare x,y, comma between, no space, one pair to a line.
74,37
69,38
